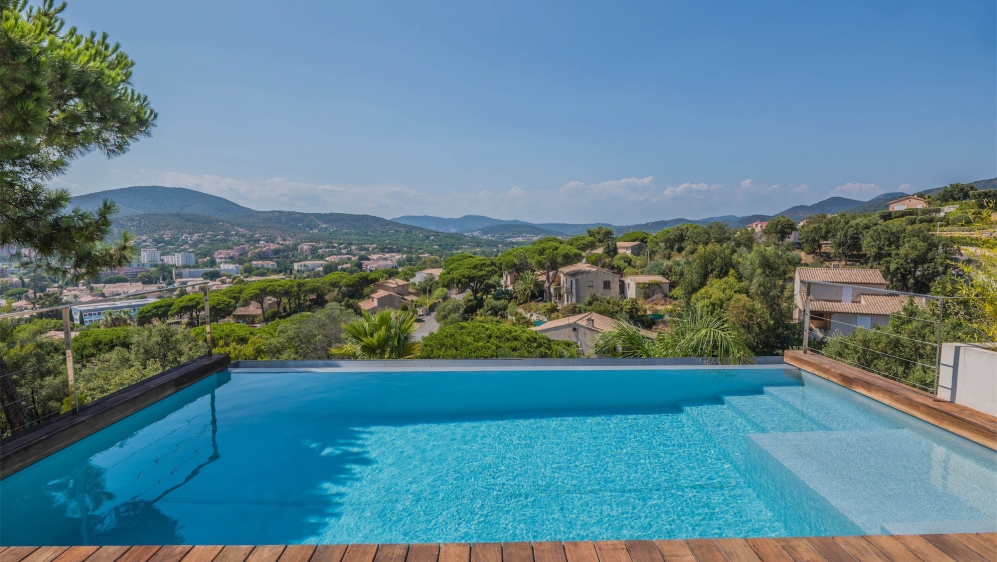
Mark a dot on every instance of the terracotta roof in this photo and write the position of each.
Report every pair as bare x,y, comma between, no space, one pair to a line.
579,268
394,283
841,275
647,279
873,305
601,323
434,271
907,197
627,244
367,304
381,293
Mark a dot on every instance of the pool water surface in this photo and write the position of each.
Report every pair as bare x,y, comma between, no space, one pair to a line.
262,457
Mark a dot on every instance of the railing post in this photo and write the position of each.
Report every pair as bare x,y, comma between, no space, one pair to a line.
806,320
938,349
207,321
67,342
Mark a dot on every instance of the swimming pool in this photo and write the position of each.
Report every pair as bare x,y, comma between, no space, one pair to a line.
310,456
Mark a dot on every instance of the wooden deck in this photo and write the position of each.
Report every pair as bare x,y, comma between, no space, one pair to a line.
918,548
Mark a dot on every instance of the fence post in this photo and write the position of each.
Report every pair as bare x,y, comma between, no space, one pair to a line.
806,320
67,342
938,350
207,321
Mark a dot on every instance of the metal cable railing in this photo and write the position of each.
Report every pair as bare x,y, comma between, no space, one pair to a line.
856,332
32,362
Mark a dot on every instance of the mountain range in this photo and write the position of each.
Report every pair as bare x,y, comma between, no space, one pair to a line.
476,224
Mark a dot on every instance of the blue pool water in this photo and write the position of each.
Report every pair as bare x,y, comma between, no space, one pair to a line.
255,457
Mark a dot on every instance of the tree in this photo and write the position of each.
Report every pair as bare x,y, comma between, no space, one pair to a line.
526,287
635,236
601,234
955,192
582,243
712,261
549,257
910,258
813,232
779,228
189,305
62,95
491,340
157,310
257,292
465,271
388,335
221,307
116,319
211,274
848,233
449,312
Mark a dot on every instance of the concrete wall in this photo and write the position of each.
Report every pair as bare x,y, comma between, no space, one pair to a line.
582,335
582,284
844,324
969,377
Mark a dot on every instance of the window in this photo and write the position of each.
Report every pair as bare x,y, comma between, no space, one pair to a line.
591,284
606,285
864,322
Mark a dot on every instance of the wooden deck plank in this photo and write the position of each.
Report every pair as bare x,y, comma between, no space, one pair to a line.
643,551
360,553
295,553
923,549
171,553
769,550
861,549
612,551
108,554
204,554
76,554
955,549
830,550
992,537
982,546
455,552
45,554
738,550
422,553
706,550
327,553
891,547
675,550
580,551
16,553
517,552
486,552
266,553
139,553
799,550
234,553
549,551
391,553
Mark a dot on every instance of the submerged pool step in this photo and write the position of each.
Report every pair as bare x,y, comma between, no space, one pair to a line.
821,405
727,430
770,415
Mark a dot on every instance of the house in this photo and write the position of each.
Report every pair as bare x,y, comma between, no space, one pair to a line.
374,265
844,299
421,276
252,313
631,248
583,329
264,263
644,286
908,202
381,300
757,227
575,283
396,286
87,314
310,265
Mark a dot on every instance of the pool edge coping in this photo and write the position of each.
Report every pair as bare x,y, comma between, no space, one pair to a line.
967,423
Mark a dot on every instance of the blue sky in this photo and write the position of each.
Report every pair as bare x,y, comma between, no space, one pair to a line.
574,111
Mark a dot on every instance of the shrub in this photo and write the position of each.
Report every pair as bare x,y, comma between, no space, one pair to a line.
481,340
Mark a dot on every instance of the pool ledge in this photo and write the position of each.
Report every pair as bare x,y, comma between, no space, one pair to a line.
973,425
32,445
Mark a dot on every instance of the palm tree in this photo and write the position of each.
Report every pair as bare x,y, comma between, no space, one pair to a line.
116,319
387,335
694,334
525,286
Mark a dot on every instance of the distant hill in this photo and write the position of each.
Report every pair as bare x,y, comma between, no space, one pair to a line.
158,199
510,230
467,223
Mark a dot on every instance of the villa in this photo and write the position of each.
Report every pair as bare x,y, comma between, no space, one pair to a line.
843,300
631,248
644,286
575,283
583,329
908,202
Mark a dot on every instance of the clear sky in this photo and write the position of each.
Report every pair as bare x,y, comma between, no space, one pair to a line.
574,111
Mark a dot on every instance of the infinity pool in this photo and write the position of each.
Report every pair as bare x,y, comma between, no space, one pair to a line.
261,457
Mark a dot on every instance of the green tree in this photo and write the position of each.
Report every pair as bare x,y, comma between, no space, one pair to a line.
221,306
388,335
449,312
712,261
527,287
157,310
635,236
779,228
910,258
491,340
189,305
713,298
601,234
582,243
211,274
693,334
955,192
466,271
116,319
548,258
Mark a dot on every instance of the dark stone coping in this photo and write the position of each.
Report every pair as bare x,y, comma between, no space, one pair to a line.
30,446
399,364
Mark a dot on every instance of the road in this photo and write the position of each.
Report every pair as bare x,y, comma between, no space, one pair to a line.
426,327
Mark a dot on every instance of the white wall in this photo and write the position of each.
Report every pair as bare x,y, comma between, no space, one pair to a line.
969,376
